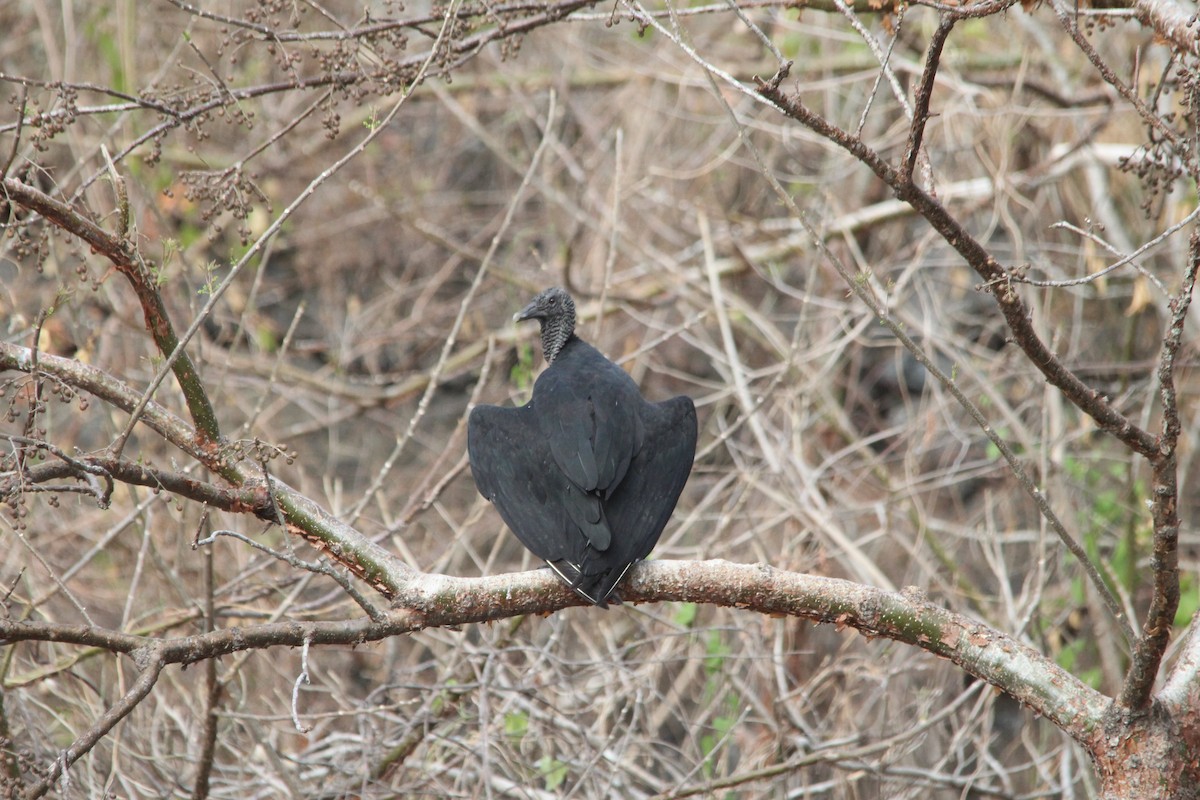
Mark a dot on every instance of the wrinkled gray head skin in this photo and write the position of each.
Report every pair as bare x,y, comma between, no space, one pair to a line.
555,312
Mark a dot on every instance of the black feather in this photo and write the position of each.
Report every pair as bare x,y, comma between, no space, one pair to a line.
587,473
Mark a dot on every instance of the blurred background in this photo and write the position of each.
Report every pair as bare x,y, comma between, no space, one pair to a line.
356,342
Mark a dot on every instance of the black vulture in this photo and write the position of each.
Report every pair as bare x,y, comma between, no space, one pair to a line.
588,472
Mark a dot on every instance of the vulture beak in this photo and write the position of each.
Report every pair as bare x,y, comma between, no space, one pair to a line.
528,312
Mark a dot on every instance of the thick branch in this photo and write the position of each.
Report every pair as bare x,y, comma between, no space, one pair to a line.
441,601
1171,22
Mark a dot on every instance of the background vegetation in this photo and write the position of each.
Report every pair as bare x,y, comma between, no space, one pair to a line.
347,202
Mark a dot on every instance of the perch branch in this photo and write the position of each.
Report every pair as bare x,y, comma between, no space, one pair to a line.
443,601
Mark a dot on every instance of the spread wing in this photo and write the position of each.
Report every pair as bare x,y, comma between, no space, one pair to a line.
514,469
642,505
587,474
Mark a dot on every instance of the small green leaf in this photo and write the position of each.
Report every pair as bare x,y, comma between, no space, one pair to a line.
267,341
522,371
685,614
553,771
1189,600
516,724
717,652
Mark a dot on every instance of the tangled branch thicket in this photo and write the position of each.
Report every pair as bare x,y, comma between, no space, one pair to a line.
925,269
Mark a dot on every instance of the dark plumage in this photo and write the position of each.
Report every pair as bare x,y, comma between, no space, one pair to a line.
588,472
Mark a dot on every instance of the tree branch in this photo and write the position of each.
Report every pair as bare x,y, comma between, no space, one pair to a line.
124,257
924,94
866,297
1016,313
1170,21
1179,690
251,500
1164,561
443,601
301,516
99,383
1066,18
150,669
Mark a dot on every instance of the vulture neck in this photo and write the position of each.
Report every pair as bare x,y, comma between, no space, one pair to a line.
556,332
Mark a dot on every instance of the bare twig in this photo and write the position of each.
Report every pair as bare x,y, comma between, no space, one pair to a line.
86,469
315,567
920,111
302,678
122,194
1129,259
1164,561
16,145
280,358
151,665
464,305
1016,312
424,496
883,58
864,294
614,219
210,689
1155,121
737,369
